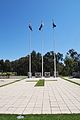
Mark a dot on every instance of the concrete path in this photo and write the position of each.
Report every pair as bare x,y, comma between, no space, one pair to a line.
76,80
7,81
55,97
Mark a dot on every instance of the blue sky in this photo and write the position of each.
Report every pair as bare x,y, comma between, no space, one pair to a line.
14,33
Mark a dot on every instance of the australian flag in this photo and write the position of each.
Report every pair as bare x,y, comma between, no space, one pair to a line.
41,26
30,27
54,25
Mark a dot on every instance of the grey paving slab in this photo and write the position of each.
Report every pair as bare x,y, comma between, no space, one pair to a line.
55,97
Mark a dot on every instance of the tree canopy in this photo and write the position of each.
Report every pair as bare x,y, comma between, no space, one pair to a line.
65,66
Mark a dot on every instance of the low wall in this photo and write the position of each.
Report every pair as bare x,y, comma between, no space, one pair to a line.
12,77
17,77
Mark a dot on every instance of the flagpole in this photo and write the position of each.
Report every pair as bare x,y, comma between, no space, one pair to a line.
54,58
42,58
30,56
54,51
30,28
40,29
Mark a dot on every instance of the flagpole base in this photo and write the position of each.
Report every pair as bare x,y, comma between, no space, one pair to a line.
29,75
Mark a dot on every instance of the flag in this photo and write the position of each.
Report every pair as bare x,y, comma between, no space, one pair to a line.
54,25
30,27
40,26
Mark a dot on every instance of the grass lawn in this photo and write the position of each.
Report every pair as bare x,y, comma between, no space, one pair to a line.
42,117
40,83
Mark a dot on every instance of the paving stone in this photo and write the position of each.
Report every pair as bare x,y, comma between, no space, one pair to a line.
37,110
65,111
55,97
28,111
19,110
46,111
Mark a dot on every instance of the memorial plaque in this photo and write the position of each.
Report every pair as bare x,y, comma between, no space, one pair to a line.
38,74
47,74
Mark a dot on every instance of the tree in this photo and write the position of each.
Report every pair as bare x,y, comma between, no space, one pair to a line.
7,65
49,62
21,66
36,62
2,65
71,62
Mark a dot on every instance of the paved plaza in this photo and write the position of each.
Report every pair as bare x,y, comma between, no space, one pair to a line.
55,97
7,81
76,80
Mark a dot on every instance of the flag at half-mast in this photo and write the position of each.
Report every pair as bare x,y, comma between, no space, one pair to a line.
30,27
41,26
54,25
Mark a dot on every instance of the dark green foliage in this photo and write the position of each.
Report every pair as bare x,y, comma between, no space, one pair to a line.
21,66
36,62
72,62
66,66
49,62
